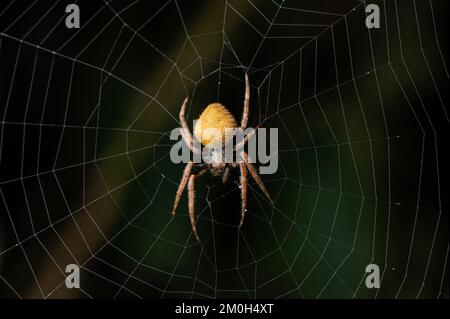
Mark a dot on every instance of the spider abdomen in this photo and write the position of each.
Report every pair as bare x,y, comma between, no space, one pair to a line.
210,126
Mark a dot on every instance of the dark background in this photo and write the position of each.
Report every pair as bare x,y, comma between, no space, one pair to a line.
86,178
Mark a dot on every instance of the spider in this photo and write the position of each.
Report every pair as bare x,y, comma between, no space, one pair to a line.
218,117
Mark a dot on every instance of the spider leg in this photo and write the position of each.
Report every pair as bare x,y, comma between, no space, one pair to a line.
245,139
243,191
183,182
191,190
191,203
226,174
255,175
185,133
246,103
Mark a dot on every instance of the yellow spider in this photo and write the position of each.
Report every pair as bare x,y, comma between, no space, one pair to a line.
218,117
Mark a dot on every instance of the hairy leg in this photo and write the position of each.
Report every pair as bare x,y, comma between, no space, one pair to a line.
246,138
191,204
255,175
183,182
185,133
244,119
191,190
243,191
226,174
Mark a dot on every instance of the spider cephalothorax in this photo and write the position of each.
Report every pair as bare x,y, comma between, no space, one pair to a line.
210,130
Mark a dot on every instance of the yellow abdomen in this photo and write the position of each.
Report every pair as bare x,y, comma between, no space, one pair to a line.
210,126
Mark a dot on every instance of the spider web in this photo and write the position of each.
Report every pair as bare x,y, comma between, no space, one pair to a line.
86,177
